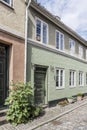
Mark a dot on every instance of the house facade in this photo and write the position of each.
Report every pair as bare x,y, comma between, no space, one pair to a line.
12,27
56,57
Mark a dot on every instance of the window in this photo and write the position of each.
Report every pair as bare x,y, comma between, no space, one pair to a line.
41,31
81,51
59,40
59,78
44,33
72,78
8,2
81,79
86,78
72,45
86,54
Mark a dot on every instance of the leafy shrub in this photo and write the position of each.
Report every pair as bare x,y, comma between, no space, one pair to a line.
20,104
79,94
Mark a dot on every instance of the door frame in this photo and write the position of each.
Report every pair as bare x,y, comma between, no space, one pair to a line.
46,81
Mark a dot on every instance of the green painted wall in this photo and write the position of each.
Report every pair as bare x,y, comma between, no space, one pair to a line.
44,57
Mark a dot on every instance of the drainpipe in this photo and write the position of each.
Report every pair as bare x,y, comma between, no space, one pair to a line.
26,35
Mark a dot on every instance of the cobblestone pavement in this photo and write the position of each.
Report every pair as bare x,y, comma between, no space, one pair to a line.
76,120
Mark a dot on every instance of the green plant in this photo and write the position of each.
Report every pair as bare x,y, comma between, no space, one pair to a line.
35,111
79,94
20,104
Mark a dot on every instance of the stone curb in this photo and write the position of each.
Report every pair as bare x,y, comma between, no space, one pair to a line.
56,117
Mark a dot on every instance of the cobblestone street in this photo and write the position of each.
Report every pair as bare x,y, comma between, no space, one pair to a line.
76,120
73,117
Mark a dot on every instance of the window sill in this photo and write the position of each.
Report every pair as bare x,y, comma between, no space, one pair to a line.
59,88
81,86
40,42
59,49
8,5
72,87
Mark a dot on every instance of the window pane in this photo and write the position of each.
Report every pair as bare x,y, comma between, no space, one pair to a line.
81,51
57,78
61,77
80,78
61,41
86,78
70,79
72,45
7,1
38,30
44,33
73,79
57,40
86,54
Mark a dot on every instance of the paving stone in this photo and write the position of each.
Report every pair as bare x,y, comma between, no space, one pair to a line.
75,120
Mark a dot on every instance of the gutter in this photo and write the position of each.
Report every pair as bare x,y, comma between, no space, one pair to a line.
26,33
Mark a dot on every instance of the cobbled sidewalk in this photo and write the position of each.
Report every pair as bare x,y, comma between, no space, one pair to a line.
51,114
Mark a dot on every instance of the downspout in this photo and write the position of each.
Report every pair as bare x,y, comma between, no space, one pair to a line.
26,35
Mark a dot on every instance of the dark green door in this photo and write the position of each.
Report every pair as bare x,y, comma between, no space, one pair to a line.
3,89
39,80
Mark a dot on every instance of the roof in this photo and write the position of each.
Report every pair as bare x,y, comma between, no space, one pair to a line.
43,11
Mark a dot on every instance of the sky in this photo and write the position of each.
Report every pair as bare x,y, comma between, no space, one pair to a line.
73,13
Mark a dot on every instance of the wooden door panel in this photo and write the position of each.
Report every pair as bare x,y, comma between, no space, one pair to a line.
2,75
39,94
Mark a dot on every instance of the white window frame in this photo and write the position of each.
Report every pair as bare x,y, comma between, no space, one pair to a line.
42,23
80,51
81,78
59,40
10,3
72,46
59,79
72,78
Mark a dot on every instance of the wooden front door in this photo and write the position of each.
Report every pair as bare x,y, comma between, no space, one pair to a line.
39,84
3,75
